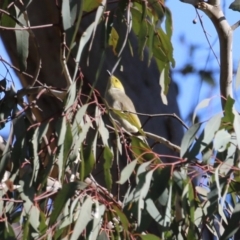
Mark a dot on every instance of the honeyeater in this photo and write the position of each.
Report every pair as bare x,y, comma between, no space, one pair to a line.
121,107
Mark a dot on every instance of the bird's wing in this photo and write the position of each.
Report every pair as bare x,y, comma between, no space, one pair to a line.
127,105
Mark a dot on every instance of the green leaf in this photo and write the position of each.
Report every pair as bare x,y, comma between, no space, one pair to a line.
61,128
236,125
142,38
103,235
209,131
122,217
98,15
158,8
143,188
164,82
83,41
67,145
235,5
104,133
150,39
108,156
36,160
141,150
228,111
88,160
78,119
149,237
22,42
90,5
84,218
6,155
233,225
97,220
168,22
237,82
63,195
9,232
71,95
66,15
5,20
153,211
127,171
203,104
188,138
113,39
221,140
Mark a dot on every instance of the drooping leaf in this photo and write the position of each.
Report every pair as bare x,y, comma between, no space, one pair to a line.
99,14
228,112
90,5
209,131
108,156
127,171
144,182
9,232
153,211
235,5
221,140
83,219
72,91
141,150
5,20
67,191
149,237
188,138
66,15
164,82
168,22
83,41
97,220
88,158
122,216
203,104
236,125
113,40
233,225
142,38
237,82
21,41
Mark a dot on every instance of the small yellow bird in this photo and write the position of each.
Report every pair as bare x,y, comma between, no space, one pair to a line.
121,107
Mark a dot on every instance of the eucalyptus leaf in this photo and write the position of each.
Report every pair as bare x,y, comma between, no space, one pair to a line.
221,140
127,171
84,218
22,42
188,138
235,5
108,156
66,15
67,191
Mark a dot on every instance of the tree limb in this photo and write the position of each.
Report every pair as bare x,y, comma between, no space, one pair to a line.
224,30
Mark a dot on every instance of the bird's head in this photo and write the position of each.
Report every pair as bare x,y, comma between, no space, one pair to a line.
116,83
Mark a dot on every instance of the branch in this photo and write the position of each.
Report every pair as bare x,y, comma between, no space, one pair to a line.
214,12
235,25
163,141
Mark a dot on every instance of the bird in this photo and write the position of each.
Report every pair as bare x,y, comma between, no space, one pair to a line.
121,107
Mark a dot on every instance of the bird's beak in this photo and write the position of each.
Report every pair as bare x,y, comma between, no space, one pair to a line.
110,74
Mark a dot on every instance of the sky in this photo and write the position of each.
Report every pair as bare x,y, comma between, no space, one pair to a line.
192,89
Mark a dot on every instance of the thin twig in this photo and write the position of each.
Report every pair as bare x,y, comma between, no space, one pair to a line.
235,25
205,33
64,62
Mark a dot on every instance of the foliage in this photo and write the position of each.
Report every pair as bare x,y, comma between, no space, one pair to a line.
72,205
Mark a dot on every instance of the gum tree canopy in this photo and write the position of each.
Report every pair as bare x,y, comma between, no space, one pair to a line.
67,170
